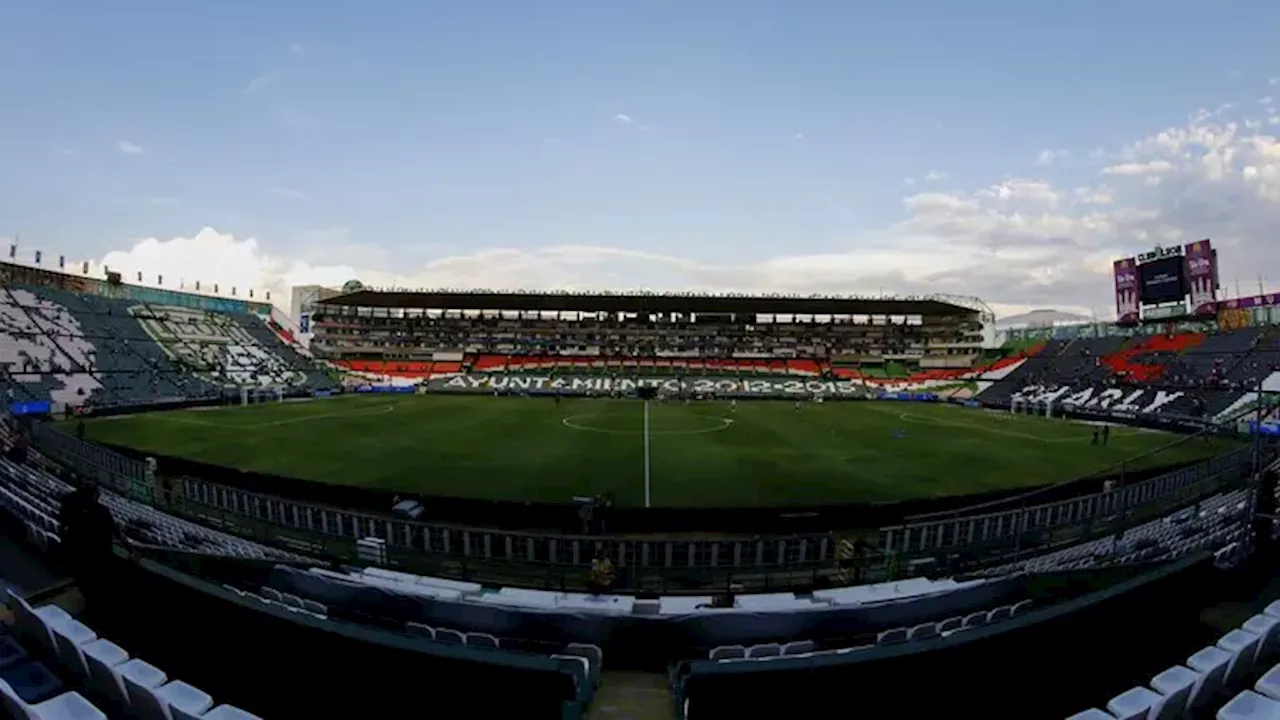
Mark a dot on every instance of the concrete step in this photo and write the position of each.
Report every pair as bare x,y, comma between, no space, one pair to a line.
632,696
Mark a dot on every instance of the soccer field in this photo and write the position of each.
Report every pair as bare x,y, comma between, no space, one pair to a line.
706,454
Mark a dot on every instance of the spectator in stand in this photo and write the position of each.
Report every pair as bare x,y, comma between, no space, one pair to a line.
88,532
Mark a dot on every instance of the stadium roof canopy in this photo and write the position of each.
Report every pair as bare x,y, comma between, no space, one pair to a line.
648,302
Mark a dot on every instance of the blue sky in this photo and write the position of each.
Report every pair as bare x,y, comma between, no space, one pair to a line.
1006,150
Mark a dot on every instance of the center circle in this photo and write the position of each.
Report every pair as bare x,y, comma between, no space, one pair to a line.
707,424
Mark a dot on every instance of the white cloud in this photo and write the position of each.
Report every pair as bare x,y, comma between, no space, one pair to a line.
1048,157
1274,81
295,48
624,118
163,201
1139,168
935,175
1268,100
129,148
285,192
798,136
1017,243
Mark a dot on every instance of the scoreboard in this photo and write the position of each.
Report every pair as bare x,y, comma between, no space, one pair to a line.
1167,283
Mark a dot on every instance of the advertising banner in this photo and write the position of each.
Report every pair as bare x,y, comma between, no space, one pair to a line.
585,385
1202,277
1125,273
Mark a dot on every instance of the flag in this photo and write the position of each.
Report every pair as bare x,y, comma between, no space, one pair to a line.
250,292
13,250
159,279
139,276
268,294
85,267
37,257
215,288
197,285
233,289
62,261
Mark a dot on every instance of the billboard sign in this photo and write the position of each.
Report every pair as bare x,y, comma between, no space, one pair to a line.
1125,273
1163,280
1202,277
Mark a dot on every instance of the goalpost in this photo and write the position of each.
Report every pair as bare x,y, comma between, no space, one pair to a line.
1020,406
252,395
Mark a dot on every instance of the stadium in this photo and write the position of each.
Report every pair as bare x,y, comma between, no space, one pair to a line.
693,505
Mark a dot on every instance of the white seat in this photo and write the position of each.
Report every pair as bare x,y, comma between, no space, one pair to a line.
1210,664
1266,627
1175,684
764,650
1243,647
34,622
183,701
1269,683
890,637
68,637
67,706
452,637
727,652
923,631
140,682
104,658
481,640
1136,704
228,712
1249,705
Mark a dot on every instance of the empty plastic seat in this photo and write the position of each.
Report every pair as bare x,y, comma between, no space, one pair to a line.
892,636
452,637
950,625
67,706
1020,607
1243,647
973,620
481,640
272,594
764,650
1267,628
1269,683
923,631
1135,704
1092,714
727,652
1003,612
593,656
798,647
314,607
184,701
291,600
420,630
104,659
68,637
140,679
1176,685
1249,705
1210,664
34,622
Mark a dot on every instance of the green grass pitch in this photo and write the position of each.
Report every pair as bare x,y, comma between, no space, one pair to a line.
703,454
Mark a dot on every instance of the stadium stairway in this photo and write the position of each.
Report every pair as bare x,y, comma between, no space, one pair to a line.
633,696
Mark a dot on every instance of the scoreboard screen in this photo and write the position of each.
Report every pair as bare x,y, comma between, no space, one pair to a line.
1163,280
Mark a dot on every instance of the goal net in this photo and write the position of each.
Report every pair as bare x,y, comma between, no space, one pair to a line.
252,395
1031,407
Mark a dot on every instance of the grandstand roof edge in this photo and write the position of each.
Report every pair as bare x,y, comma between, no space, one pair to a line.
656,302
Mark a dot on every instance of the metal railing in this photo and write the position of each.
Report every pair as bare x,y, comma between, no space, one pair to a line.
646,564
